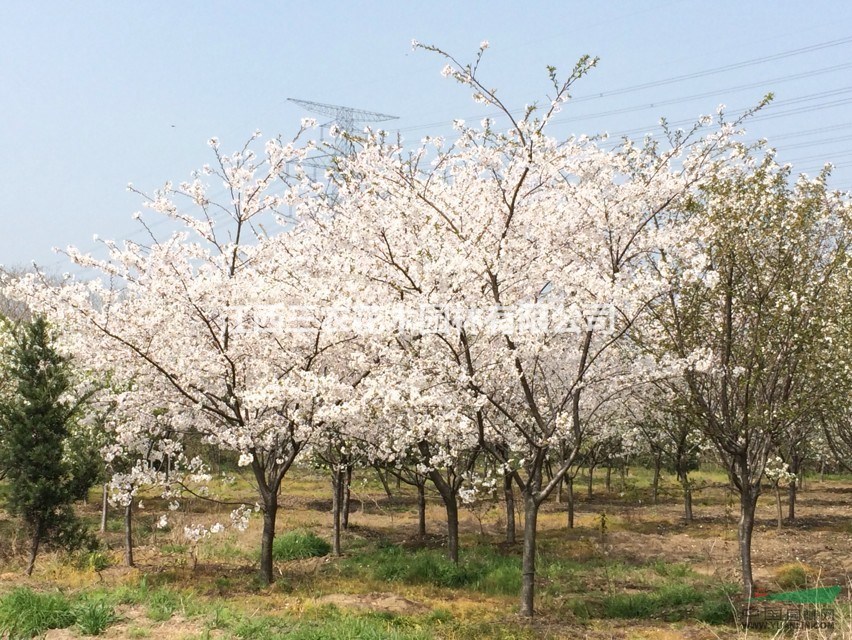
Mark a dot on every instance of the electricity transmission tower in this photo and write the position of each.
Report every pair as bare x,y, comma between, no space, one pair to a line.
346,118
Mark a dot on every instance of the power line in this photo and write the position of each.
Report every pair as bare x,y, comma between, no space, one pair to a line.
671,80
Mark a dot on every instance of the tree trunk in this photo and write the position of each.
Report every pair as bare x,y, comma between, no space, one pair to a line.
748,503
569,483
509,494
528,563
347,497
792,495
421,509
104,508
591,479
452,528
608,478
128,534
384,482
780,511
687,498
336,504
36,541
270,512
655,484
793,492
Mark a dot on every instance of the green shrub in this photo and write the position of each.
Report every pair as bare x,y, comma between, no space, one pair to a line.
26,614
793,576
296,545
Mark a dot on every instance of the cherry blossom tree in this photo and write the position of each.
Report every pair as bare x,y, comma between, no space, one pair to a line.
520,249
756,325
199,316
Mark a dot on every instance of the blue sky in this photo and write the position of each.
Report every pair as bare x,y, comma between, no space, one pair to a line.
98,94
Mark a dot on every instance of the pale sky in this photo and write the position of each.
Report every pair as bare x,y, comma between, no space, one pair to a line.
98,94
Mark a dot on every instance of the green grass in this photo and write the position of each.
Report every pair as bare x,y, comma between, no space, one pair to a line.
300,544
27,614
672,602
329,622
93,617
480,569
162,604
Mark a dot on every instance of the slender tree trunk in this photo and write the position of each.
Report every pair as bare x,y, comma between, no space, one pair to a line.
270,512
655,484
622,477
780,511
36,542
528,562
452,528
509,494
384,482
748,503
793,491
128,534
336,504
591,480
687,497
347,497
792,496
104,508
421,509
569,484
608,478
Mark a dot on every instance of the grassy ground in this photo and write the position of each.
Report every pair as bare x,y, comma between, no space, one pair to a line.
629,569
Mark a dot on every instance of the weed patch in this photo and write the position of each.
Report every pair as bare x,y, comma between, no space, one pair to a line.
27,614
297,545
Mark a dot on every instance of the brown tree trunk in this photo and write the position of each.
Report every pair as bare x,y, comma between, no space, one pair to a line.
36,542
687,498
748,503
384,482
779,510
128,534
270,512
591,480
608,478
451,504
528,562
452,529
792,496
